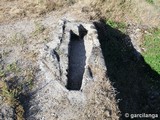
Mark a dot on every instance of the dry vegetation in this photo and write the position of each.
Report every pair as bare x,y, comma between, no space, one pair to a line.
124,11
12,88
143,12
18,65
11,9
131,11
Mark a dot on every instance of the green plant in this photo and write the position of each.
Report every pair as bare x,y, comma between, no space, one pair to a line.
2,73
150,1
11,97
39,28
11,88
117,25
29,78
5,53
71,2
18,39
152,46
12,68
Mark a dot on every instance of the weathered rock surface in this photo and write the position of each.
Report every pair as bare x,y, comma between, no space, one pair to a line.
6,112
72,83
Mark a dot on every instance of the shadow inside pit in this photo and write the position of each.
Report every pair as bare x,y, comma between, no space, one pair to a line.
136,83
77,59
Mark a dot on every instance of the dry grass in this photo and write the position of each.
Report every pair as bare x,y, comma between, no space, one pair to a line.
11,86
132,11
13,9
118,10
17,39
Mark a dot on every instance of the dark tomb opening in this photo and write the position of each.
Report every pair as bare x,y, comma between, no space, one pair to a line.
77,59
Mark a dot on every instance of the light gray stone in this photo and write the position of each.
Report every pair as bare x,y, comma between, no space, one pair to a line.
73,71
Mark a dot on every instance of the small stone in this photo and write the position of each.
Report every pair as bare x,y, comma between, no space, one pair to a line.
107,113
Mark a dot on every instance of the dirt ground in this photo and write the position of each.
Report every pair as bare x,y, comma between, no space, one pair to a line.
26,26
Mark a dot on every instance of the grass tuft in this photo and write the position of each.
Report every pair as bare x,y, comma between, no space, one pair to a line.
39,28
18,39
117,25
150,1
15,82
152,46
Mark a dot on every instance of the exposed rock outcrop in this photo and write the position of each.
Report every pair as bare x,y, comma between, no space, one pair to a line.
73,83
